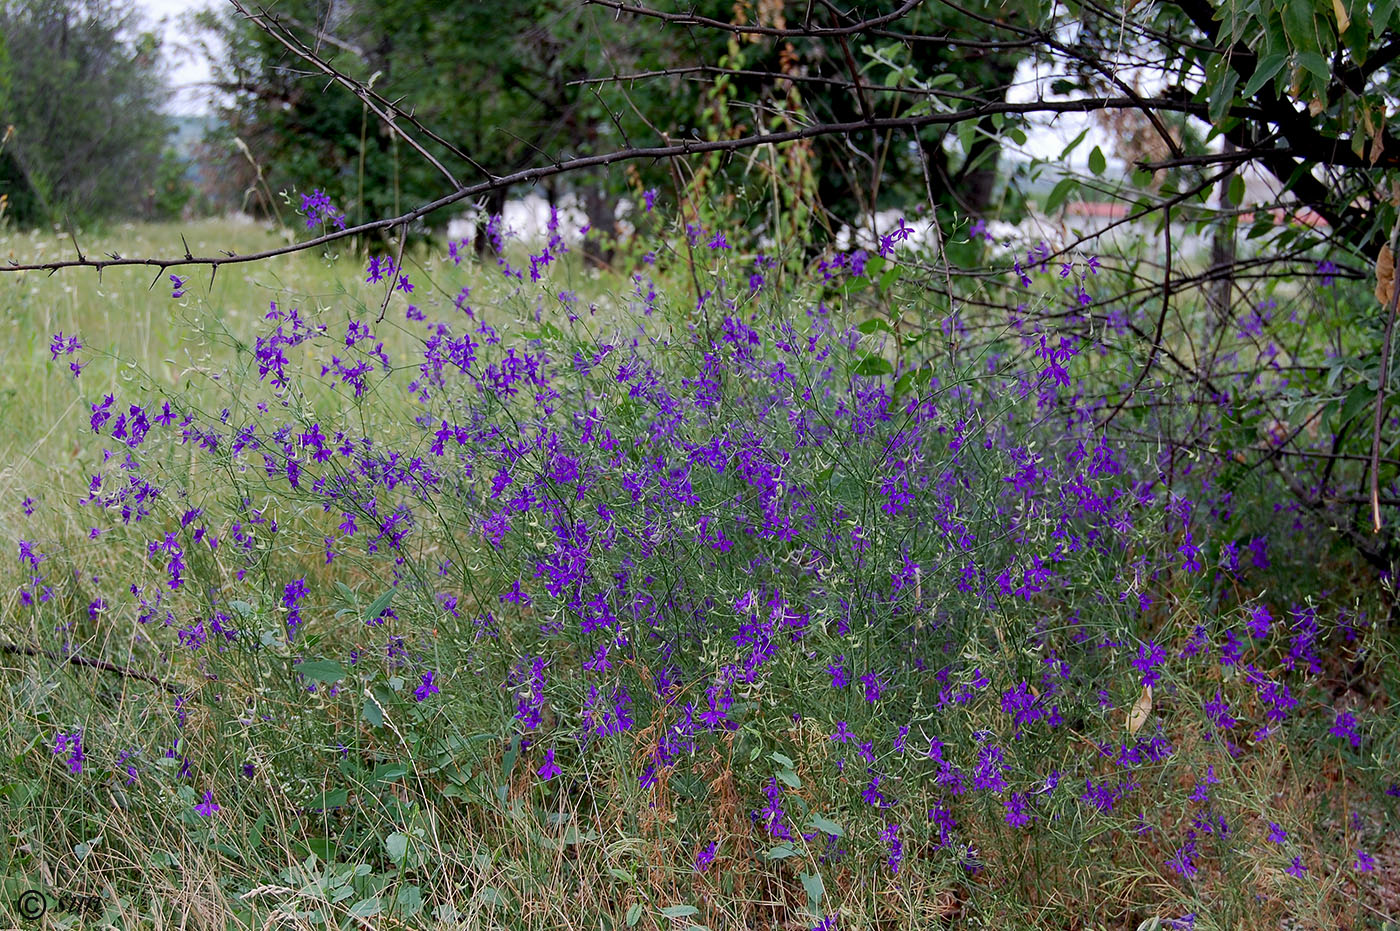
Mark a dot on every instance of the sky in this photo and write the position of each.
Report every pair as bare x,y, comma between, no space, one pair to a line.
189,72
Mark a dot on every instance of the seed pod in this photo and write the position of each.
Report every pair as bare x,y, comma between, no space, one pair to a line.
1385,275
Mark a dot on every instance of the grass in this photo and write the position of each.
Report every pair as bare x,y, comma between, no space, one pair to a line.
351,794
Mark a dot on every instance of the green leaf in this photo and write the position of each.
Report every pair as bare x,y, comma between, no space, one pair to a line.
390,772
812,883
874,323
634,914
891,275
366,907
1357,400
780,852
872,366
371,713
1300,25
1059,194
1097,162
680,911
377,607
1315,64
790,778
336,798
967,132
826,826
321,670
396,846
1222,95
1264,72
782,760
1073,144
1235,193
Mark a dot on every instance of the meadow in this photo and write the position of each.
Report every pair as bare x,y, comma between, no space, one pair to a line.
715,589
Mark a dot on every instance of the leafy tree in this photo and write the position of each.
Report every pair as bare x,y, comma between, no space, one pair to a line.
82,89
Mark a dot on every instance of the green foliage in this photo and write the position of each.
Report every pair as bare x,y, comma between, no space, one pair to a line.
82,91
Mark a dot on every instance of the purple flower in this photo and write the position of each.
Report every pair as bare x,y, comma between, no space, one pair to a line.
208,806
649,195
1259,621
317,209
549,769
1016,814
177,285
1149,657
1365,863
427,688
991,769
1345,726
1296,869
842,735
1183,862
72,744
1277,835
705,857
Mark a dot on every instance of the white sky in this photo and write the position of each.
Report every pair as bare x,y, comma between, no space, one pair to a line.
189,72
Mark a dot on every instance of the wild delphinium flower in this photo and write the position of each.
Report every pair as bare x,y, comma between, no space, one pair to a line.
874,687
1259,621
427,688
1017,814
208,806
71,743
1218,712
379,267
1327,270
1024,707
292,596
549,769
1149,657
1231,650
649,196
897,235
318,210
1302,646
1345,727
705,857
826,924
771,815
1277,835
891,836
177,286
842,735
837,670
125,764
66,347
1296,869
991,769
1190,554
1183,861
1365,863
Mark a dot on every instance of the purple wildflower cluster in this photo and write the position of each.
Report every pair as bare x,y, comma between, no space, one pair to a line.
724,545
